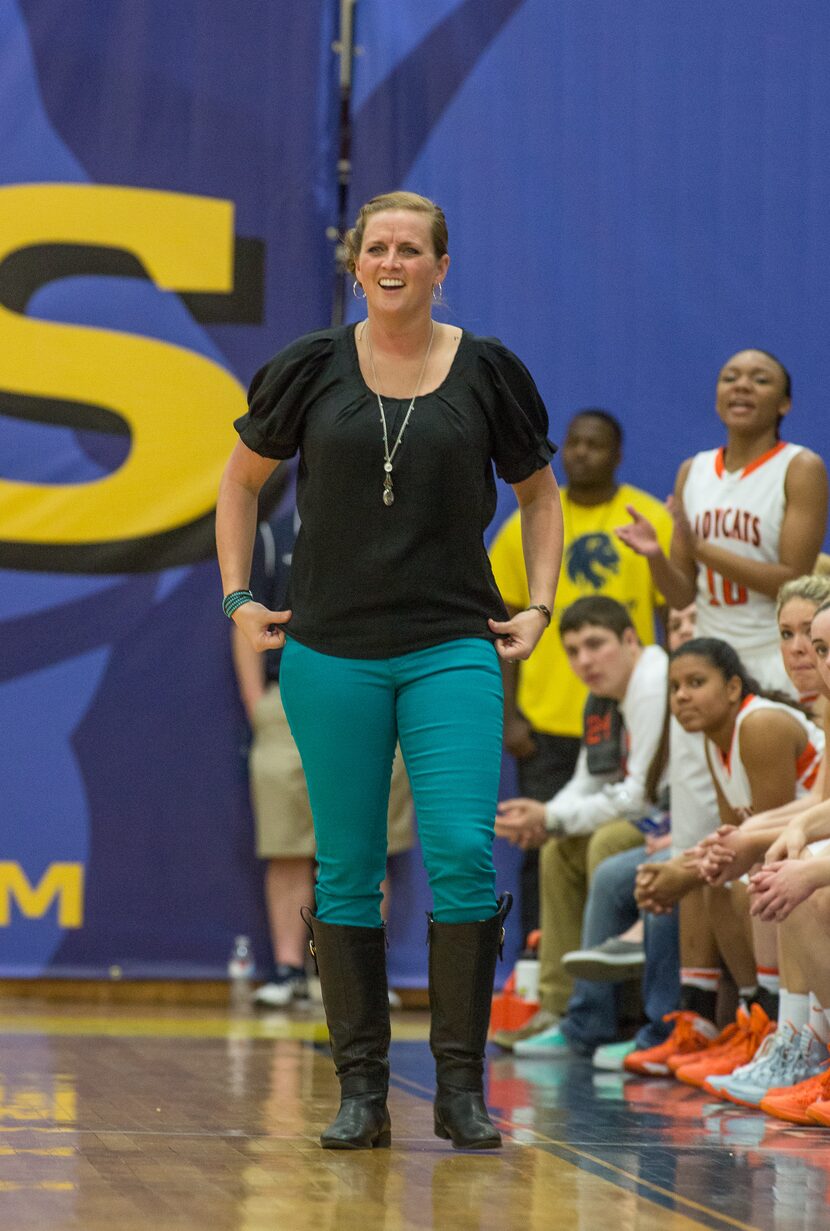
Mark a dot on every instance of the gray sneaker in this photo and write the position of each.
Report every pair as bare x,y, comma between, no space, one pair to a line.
614,961
540,1021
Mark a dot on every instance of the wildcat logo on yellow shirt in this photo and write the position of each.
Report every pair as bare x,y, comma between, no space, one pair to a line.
591,558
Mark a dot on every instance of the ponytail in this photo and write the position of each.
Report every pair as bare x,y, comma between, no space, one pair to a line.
660,760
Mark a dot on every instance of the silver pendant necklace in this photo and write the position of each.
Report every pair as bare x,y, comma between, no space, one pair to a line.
389,457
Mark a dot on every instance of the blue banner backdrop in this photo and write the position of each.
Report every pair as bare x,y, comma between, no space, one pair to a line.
635,189
166,179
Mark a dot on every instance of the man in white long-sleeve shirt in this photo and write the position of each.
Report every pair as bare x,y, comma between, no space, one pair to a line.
592,816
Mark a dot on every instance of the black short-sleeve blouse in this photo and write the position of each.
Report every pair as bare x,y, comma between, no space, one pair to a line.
371,581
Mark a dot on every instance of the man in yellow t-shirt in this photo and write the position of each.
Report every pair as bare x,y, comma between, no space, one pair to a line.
543,698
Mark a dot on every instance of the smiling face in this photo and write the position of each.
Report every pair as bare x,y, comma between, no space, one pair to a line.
820,637
601,659
751,392
794,628
397,266
701,699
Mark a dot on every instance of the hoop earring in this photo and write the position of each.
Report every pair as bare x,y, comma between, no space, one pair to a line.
438,292
357,294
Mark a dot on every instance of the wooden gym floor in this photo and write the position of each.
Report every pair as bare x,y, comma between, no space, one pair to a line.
185,1118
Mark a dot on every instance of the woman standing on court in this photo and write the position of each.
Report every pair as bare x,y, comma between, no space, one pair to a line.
395,630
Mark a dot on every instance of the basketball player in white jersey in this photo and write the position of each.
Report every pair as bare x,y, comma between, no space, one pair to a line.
749,516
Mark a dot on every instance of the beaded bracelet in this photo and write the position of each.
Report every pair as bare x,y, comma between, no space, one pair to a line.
546,611
236,599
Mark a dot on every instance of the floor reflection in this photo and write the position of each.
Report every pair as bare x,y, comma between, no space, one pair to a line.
718,1163
212,1123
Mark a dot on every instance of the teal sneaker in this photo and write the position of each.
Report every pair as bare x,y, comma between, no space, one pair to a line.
548,1044
611,1055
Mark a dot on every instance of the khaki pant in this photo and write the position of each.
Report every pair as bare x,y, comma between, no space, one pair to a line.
282,813
566,868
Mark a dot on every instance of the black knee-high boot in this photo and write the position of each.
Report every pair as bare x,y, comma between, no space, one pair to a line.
462,967
351,962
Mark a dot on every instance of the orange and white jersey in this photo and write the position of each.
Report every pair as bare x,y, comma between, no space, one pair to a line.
728,769
741,511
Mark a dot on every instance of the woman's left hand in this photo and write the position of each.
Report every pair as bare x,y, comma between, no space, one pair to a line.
518,638
779,887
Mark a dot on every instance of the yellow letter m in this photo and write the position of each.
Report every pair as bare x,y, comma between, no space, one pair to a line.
63,882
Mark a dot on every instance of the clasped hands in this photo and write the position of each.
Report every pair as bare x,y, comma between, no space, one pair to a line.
784,880
658,887
522,823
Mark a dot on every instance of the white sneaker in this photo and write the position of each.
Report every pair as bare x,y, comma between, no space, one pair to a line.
803,1056
769,1067
289,985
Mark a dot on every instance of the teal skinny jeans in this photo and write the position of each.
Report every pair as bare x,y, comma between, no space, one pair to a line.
444,706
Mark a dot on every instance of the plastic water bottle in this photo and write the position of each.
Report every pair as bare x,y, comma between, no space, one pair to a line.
526,973
241,970
655,824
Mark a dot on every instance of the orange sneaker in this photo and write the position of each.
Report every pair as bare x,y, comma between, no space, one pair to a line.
819,1111
690,1034
791,1102
724,1039
751,1030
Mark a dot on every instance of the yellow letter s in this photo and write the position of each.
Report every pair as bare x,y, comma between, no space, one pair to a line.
178,405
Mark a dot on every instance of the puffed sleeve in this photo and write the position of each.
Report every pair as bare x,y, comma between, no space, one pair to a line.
515,411
280,394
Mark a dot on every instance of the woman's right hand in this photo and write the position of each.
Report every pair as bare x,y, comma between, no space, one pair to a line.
517,637
257,624
639,534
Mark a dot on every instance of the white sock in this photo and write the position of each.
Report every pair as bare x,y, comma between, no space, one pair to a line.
768,979
794,1007
819,1020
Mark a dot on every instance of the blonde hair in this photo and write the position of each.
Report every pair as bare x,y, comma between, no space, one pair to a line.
353,241
813,587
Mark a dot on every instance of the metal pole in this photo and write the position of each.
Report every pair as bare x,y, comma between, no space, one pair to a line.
345,48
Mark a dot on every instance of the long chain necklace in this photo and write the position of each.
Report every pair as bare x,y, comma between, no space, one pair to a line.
388,457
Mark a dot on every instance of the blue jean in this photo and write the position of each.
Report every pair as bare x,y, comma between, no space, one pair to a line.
444,705
592,1016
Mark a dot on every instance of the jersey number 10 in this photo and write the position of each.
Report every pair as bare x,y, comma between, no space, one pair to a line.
723,592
